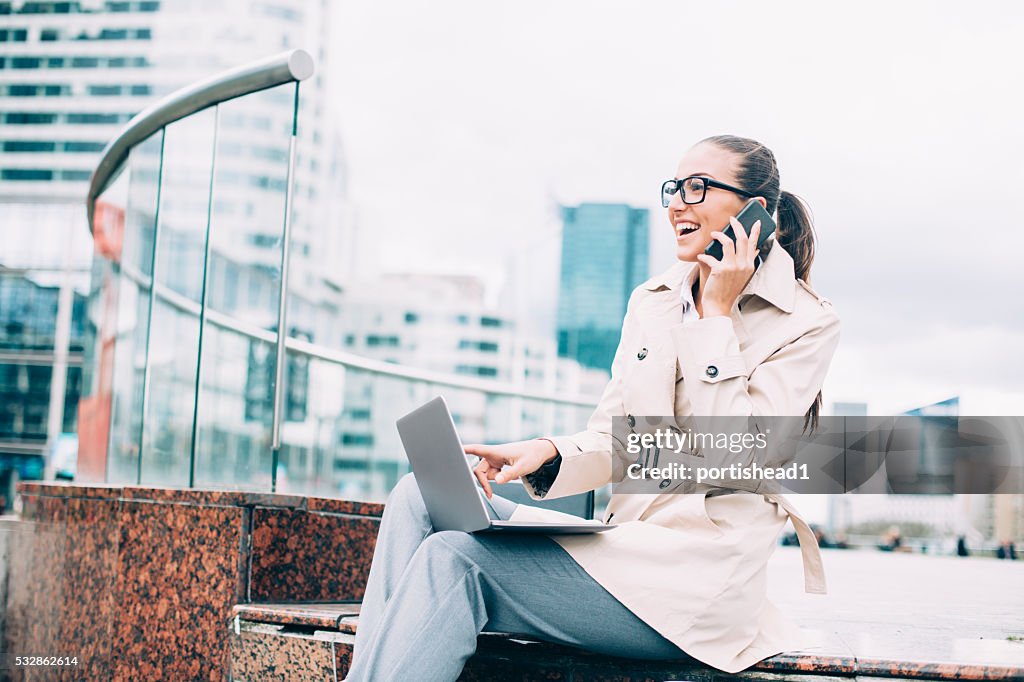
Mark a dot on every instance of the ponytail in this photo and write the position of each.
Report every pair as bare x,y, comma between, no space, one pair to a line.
795,234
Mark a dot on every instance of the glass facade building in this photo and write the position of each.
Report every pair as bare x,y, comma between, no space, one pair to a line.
44,276
604,257
27,342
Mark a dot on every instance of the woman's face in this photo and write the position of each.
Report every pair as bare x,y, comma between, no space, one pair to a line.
707,160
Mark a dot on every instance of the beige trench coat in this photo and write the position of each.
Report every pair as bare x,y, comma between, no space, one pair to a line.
693,566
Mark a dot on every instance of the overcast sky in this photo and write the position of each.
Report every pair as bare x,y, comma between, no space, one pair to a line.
466,122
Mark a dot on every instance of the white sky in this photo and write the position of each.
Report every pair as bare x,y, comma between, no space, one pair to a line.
465,122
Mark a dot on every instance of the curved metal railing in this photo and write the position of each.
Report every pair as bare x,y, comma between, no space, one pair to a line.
187,306
287,67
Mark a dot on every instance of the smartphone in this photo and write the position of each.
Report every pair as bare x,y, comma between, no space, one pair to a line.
750,214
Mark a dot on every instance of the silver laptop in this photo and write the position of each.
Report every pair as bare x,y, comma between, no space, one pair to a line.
446,480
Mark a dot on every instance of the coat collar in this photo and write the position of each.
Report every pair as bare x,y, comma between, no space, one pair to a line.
774,280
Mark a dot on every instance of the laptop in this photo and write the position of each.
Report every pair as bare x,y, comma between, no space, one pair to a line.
446,480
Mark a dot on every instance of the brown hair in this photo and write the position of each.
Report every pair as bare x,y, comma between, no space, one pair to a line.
758,173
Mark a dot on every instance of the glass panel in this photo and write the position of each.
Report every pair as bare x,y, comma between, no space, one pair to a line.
167,425
309,444
100,330
244,282
346,444
134,277
180,257
248,206
233,449
184,204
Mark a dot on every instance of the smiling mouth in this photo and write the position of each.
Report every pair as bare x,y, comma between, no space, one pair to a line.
685,228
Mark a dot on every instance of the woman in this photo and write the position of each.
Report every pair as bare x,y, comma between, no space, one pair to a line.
681,574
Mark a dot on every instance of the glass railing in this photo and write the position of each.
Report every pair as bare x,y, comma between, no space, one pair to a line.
189,377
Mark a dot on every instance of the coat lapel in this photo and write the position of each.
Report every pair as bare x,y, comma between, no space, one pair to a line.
774,280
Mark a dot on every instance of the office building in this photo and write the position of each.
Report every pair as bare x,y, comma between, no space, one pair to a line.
604,257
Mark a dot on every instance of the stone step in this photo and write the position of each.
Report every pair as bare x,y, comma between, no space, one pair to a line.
313,641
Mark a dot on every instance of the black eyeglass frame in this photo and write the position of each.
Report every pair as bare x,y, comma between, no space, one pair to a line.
708,182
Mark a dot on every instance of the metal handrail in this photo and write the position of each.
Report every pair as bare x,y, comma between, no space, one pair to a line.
287,67
347,359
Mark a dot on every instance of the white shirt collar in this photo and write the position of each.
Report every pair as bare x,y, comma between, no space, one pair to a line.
686,295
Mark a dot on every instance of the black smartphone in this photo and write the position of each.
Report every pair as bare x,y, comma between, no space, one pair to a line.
750,214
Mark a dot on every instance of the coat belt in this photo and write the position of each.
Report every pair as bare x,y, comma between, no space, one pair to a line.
814,568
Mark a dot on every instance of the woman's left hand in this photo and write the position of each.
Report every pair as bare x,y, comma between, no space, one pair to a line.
730,275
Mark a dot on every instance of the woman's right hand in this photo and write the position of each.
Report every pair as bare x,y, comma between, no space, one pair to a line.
522,457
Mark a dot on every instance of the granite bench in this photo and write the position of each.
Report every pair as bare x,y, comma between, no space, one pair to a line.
313,641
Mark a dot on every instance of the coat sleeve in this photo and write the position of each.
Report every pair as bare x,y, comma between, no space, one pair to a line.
587,457
541,479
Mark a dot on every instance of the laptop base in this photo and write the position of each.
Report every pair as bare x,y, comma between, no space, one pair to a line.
544,528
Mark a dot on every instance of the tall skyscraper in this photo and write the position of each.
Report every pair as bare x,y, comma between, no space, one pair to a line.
604,257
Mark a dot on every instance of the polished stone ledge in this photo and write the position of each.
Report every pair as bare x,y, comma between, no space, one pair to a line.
232,498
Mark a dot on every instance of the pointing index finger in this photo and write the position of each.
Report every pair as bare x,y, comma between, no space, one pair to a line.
483,451
482,477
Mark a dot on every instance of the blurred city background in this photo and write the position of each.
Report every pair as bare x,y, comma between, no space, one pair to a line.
472,197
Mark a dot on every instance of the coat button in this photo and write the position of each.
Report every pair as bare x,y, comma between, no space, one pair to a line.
642,354
711,371
664,484
631,420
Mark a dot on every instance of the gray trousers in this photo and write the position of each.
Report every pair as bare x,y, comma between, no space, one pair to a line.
429,594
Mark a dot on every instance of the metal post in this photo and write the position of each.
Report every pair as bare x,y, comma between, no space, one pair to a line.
149,311
202,304
282,308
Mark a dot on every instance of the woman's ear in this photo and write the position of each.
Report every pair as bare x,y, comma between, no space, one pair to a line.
762,201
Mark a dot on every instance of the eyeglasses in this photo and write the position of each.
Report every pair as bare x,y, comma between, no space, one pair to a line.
694,188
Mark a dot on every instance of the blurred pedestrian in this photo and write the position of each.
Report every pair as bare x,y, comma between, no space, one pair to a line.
891,540
961,546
